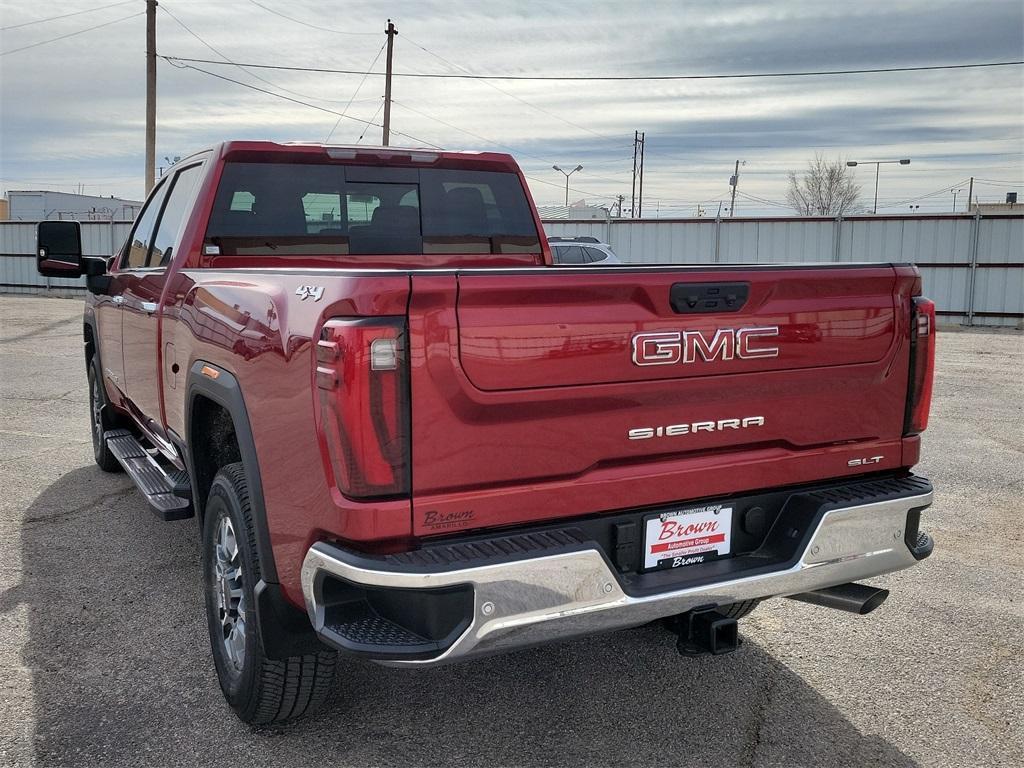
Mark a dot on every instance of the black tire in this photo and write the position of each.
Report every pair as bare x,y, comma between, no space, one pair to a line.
99,419
259,689
738,610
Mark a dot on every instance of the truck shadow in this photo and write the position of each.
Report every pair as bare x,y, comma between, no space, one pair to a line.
121,673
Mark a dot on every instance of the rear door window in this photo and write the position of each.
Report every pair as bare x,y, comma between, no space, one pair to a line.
281,209
593,254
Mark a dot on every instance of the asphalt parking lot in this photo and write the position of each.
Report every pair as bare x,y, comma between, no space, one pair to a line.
104,658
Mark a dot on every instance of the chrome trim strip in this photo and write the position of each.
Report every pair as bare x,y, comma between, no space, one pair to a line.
546,598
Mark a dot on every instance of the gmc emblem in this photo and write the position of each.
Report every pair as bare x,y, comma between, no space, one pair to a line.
671,347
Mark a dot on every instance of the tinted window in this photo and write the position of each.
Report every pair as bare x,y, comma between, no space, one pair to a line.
142,235
595,255
280,209
569,254
170,220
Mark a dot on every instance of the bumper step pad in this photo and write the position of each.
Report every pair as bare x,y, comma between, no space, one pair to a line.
167,491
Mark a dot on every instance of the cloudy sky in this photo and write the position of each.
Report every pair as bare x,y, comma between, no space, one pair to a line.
72,111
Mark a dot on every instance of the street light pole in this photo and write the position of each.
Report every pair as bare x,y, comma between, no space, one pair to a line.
955,193
877,164
567,175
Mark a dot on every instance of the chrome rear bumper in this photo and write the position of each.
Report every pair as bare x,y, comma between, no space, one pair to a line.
523,602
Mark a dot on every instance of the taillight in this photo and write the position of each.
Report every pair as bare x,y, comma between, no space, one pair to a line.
922,365
363,396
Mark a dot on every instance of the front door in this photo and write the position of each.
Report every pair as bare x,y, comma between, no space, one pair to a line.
143,289
109,305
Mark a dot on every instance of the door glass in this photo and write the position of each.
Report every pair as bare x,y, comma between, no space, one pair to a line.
170,221
138,244
595,255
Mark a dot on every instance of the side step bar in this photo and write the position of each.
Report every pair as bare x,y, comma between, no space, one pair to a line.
168,493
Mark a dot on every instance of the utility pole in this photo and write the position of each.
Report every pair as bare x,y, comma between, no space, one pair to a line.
640,200
618,206
636,205
150,93
734,182
970,195
390,32
632,199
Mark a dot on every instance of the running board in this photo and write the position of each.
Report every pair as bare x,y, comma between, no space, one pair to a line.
168,493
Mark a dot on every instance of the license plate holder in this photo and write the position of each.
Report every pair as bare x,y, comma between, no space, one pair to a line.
688,536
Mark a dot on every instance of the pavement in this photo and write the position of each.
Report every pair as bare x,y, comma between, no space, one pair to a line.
104,657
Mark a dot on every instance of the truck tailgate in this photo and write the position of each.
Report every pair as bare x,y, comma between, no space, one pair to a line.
553,393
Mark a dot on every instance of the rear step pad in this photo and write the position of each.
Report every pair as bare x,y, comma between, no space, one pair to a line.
168,493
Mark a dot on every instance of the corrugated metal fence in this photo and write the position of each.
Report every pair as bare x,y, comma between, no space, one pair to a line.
973,266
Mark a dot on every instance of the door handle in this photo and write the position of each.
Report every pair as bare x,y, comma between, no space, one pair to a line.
149,307
117,300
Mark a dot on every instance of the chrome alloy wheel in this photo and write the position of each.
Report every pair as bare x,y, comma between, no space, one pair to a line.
228,579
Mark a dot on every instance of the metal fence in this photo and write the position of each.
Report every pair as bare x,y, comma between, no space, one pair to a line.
973,265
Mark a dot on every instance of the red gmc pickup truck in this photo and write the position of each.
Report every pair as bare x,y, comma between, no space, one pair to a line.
407,436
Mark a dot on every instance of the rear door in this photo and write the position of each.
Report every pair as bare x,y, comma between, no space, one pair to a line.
627,387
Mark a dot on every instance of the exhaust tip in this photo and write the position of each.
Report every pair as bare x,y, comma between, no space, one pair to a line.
877,598
853,598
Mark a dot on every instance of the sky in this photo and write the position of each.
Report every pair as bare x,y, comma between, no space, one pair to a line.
72,111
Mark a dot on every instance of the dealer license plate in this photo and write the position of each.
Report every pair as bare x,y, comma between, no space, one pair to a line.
687,537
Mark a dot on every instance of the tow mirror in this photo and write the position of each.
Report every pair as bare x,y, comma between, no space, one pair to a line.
59,249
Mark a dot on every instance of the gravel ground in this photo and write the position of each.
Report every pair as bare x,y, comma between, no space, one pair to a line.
104,658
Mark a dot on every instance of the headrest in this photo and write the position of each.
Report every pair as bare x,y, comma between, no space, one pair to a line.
465,211
402,218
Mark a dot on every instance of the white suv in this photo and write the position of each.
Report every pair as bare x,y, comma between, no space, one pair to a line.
581,252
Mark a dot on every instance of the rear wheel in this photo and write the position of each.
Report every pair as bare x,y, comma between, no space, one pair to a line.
259,689
97,406
738,610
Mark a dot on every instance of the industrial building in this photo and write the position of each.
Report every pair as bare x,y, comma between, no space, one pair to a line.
40,205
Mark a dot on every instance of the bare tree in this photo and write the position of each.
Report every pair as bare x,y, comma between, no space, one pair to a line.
826,188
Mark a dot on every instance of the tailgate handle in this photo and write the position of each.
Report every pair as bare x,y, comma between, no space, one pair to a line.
697,298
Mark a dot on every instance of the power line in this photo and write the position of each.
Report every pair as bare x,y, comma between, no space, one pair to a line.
371,123
295,101
514,150
762,200
65,15
621,78
511,95
310,25
943,191
162,6
71,34
355,93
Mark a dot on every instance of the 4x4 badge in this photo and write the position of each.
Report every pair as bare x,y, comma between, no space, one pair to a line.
315,292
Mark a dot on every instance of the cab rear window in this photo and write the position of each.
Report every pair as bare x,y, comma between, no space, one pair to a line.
284,208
